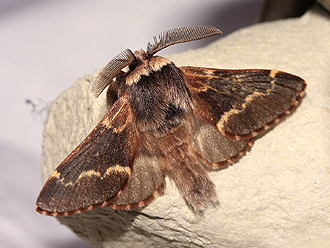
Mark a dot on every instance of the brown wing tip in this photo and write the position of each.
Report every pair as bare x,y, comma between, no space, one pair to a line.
145,202
78,211
58,214
295,104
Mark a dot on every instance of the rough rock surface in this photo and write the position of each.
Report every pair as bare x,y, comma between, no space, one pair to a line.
277,195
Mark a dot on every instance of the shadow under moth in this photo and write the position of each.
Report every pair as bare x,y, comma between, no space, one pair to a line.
166,121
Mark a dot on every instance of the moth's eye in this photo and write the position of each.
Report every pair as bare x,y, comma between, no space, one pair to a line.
132,66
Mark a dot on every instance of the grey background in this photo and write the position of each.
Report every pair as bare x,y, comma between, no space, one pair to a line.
44,47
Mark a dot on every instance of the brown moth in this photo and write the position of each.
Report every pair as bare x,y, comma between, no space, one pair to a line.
166,120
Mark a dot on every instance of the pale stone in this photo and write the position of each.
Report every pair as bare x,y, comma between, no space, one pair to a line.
277,195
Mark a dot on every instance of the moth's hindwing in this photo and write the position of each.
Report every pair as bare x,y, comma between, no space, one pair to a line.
146,183
97,171
243,103
212,147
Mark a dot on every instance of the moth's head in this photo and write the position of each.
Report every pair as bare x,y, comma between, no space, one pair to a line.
128,58
139,57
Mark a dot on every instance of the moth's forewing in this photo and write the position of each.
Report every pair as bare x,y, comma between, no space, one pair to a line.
243,103
96,172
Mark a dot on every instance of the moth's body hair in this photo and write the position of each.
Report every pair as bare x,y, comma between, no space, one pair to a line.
166,120
144,66
157,92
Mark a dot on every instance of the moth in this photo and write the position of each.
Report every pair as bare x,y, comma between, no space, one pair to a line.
166,121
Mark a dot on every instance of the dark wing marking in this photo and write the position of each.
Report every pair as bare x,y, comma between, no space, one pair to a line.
146,183
95,172
243,103
213,148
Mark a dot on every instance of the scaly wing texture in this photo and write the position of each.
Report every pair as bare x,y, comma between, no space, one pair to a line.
213,148
97,171
146,183
243,103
